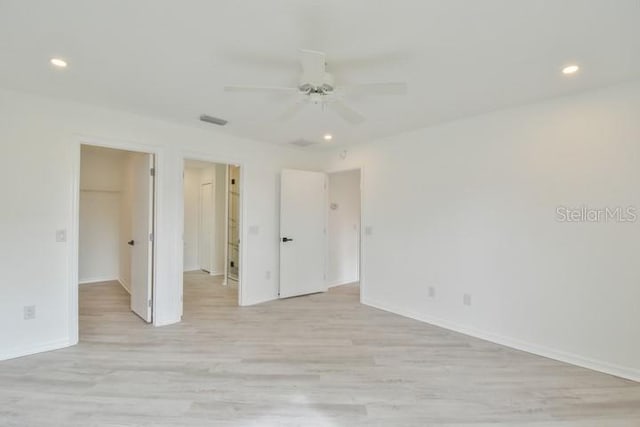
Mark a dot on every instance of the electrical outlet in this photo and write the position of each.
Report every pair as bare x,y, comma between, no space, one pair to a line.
432,292
267,275
29,312
466,299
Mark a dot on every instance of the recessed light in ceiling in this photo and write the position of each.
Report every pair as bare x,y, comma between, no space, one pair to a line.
570,69
60,63
328,137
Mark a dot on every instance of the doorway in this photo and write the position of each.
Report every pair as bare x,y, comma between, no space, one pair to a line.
115,240
343,263
320,232
211,242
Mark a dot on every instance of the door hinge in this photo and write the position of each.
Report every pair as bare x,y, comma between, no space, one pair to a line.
152,171
150,304
151,237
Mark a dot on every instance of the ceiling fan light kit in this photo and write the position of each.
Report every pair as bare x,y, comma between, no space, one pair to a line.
317,86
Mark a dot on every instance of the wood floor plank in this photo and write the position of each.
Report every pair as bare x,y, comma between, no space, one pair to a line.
319,360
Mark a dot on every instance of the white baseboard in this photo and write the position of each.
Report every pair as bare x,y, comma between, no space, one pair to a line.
38,348
191,268
125,285
97,280
257,301
340,283
562,356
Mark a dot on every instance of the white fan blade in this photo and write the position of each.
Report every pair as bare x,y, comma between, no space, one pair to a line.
271,89
391,88
291,111
313,66
346,112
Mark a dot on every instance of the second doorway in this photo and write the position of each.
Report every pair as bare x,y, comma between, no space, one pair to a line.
211,232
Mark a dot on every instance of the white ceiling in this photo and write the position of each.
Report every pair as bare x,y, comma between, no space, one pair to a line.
171,59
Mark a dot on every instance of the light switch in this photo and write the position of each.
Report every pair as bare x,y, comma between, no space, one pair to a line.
368,230
254,230
61,235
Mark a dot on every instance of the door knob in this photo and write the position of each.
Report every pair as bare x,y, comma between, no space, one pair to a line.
131,243
287,239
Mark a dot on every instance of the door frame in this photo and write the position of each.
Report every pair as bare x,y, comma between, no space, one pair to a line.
362,217
204,157
73,234
227,204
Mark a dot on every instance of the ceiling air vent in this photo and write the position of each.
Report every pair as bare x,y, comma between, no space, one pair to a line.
214,120
303,143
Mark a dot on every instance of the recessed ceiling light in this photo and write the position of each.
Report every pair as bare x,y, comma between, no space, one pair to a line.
570,69
60,63
328,137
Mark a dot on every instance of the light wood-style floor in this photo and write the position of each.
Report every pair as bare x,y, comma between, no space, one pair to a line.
320,360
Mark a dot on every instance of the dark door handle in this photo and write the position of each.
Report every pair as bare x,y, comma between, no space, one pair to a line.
286,239
131,243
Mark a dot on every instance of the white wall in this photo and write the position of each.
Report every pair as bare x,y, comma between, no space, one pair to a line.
191,206
470,207
102,169
100,203
40,139
99,236
344,227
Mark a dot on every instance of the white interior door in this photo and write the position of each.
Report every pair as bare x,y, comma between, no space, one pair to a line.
206,229
142,229
303,222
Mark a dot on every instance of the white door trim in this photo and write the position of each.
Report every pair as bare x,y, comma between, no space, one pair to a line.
73,233
362,225
225,269
198,155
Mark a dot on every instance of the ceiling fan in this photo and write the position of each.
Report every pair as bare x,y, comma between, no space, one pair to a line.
317,87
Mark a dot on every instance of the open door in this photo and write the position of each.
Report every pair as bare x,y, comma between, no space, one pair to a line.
142,178
303,221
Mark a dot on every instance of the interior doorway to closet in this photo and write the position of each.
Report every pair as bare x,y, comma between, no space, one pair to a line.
211,233
115,241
